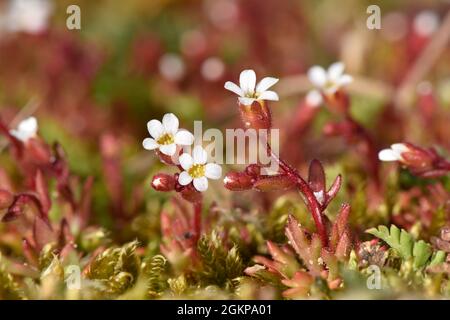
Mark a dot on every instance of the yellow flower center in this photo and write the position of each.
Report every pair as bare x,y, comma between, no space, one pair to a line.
253,95
166,139
197,171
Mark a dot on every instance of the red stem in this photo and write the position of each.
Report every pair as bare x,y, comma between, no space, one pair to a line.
308,196
197,220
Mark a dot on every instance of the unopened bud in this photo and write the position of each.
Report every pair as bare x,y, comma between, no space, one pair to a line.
163,182
190,194
253,170
238,181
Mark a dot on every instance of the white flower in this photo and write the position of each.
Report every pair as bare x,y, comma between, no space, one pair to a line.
166,136
29,16
394,153
249,91
331,80
26,129
197,170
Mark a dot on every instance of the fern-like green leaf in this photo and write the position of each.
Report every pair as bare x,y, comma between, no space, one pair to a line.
403,243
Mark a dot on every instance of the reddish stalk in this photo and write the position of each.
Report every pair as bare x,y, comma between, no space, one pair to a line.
197,219
308,196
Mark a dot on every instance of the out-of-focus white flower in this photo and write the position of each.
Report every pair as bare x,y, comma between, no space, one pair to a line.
30,16
248,91
426,23
26,129
212,69
331,80
166,136
197,170
394,153
171,67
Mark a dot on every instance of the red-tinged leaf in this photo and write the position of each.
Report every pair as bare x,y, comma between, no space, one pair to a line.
344,246
20,202
85,202
340,225
276,253
67,250
296,236
29,251
316,176
65,235
334,189
42,190
6,199
269,264
42,233
274,183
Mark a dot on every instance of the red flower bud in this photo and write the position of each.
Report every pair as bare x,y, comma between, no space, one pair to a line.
238,181
163,182
274,183
338,102
190,194
253,170
256,116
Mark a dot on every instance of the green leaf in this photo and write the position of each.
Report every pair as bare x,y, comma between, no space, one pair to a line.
403,243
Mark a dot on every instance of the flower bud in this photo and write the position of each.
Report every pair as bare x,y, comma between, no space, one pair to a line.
190,194
256,116
253,170
273,183
338,101
238,181
163,182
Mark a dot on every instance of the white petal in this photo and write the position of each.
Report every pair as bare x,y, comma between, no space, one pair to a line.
317,76
168,149
345,79
186,161
149,144
19,135
213,171
246,101
233,87
184,178
199,155
399,147
247,80
155,128
314,98
170,123
388,155
269,95
266,83
28,125
201,184
335,71
184,138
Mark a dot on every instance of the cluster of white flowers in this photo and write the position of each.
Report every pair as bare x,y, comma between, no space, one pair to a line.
29,16
166,137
